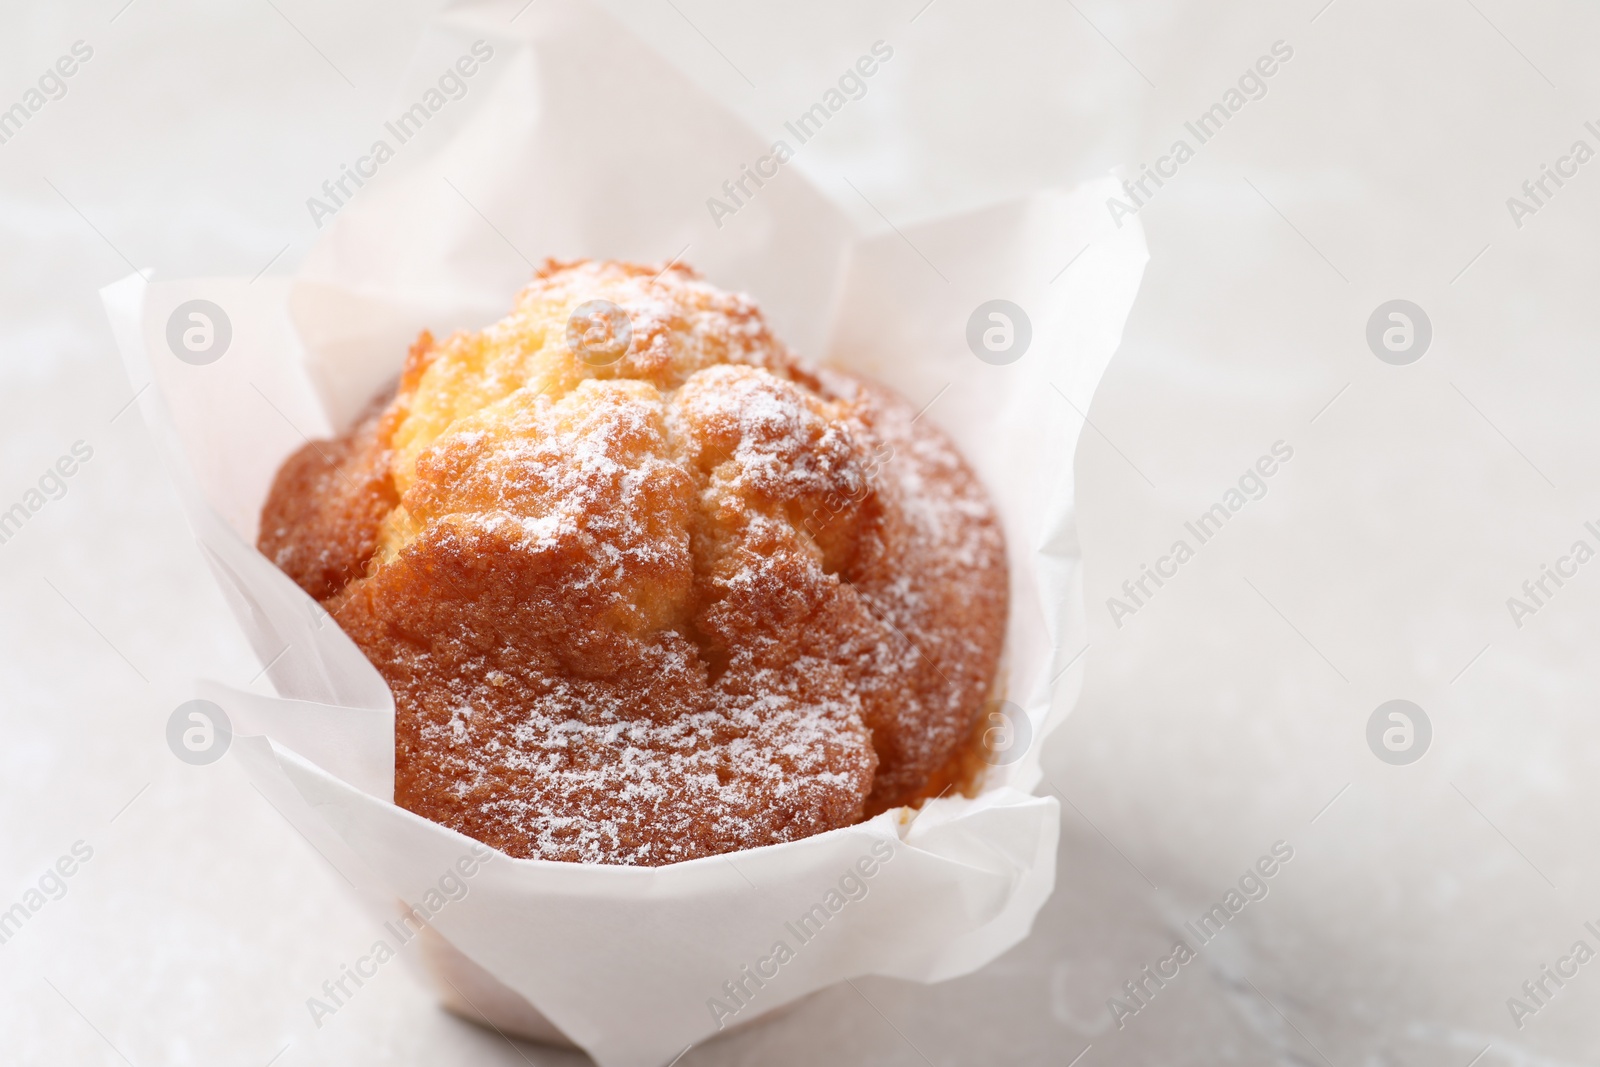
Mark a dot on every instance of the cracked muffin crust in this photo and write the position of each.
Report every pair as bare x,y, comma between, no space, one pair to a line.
702,598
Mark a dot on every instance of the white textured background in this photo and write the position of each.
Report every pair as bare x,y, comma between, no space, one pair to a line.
1218,720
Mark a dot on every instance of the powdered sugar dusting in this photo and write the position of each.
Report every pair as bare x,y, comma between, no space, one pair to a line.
701,599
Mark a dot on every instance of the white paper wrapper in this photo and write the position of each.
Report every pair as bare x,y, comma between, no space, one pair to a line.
576,140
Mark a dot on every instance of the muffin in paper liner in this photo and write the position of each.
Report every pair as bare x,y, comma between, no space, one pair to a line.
551,140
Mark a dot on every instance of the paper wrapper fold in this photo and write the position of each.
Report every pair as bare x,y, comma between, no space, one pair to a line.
577,140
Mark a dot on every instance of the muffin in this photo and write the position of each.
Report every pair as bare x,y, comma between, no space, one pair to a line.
647,587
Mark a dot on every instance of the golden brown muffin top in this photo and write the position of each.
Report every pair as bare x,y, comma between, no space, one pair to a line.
640,604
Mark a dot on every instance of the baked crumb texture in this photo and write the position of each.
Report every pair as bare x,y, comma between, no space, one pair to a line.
700,599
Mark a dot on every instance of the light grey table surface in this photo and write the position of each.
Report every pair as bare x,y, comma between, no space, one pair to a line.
1227,714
